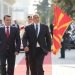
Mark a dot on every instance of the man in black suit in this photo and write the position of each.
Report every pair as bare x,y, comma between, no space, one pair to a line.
29,22
65,44
0,22
9,46
16,25
51,29
37,41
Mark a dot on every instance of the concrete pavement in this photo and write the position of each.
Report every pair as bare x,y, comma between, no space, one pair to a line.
59,66
64,66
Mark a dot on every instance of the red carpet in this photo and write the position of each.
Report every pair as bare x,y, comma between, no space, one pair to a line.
21,67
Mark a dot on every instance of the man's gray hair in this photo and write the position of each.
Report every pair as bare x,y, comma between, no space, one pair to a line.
36,15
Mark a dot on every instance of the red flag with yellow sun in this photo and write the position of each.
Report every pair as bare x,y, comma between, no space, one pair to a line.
60,23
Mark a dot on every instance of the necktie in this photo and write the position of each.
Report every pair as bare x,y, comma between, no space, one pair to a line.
37,30
7,32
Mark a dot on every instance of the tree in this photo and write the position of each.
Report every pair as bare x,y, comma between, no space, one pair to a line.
42,10
67,5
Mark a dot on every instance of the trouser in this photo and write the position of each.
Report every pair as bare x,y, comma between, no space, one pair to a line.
0,67
36,61
27,64
63,51
7,69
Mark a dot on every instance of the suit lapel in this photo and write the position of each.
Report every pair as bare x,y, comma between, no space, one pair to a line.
10,32
4,32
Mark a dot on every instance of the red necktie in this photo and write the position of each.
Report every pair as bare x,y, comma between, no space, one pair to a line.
7,32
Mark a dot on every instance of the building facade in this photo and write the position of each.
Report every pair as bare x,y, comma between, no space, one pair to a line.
6,7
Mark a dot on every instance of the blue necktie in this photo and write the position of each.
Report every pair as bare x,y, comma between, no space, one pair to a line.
37,30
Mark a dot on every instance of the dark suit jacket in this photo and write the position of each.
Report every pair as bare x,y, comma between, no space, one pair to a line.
43,39
13,42
65,42
51,29
16,25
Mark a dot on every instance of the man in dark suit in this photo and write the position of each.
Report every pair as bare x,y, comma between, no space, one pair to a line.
0,22
29,22
65,44
16,25
51,29
37,41
9,46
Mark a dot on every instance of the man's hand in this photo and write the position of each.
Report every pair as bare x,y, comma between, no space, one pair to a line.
26,49
16,53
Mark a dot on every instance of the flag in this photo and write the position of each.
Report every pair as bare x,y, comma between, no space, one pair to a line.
22,27
61,22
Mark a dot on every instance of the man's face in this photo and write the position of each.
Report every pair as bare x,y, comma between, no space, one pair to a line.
36,19
7,21
30,20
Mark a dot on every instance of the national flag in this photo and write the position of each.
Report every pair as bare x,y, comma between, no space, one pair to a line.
60,24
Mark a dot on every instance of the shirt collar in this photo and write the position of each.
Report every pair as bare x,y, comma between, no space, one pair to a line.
37,24
7,26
